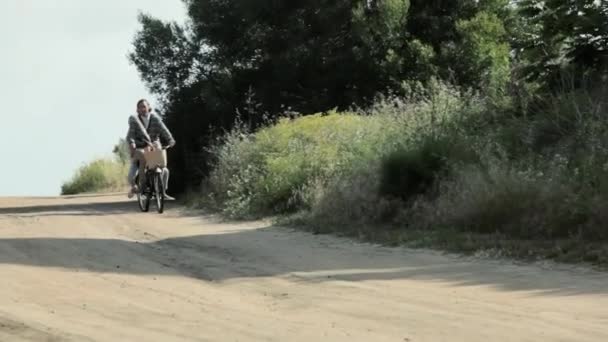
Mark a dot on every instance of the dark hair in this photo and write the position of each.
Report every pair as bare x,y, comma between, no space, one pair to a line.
144,101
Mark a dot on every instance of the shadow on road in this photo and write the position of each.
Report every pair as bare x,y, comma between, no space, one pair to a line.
80,209
272,251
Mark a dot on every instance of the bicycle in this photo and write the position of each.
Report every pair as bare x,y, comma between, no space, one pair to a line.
154,186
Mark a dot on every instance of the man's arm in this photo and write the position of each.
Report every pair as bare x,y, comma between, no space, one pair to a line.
164,132
131,132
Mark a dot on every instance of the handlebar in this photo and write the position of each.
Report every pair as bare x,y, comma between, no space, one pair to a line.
166,147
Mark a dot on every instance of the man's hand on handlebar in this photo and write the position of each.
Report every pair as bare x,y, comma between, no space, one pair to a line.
151,147
159,146
166,147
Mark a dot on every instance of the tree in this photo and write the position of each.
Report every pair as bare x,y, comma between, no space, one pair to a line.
483,52
306,56
562,35
309,55
165,56
468,39
121,151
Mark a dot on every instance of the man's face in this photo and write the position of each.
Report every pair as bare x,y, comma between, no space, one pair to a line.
143,108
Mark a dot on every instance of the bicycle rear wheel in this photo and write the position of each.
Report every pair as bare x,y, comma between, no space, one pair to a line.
143,198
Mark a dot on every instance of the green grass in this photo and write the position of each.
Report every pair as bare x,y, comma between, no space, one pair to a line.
101,175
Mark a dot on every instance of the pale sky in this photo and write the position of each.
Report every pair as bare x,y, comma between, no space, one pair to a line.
66,85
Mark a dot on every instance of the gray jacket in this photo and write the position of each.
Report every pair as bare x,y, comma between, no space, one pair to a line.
141,136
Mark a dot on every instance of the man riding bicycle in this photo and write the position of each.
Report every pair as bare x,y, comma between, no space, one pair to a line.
146,130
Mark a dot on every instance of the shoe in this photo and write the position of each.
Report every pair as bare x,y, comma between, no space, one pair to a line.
132,191
169,198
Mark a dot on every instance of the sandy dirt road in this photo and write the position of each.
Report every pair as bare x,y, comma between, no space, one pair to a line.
94,269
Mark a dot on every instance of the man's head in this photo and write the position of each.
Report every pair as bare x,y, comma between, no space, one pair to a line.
143,107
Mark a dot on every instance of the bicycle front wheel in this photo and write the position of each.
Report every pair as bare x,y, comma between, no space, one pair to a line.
159,188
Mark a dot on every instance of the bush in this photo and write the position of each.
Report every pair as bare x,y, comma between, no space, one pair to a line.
549,187
351,199
263,173
276,169
518,203
409,172
98,176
